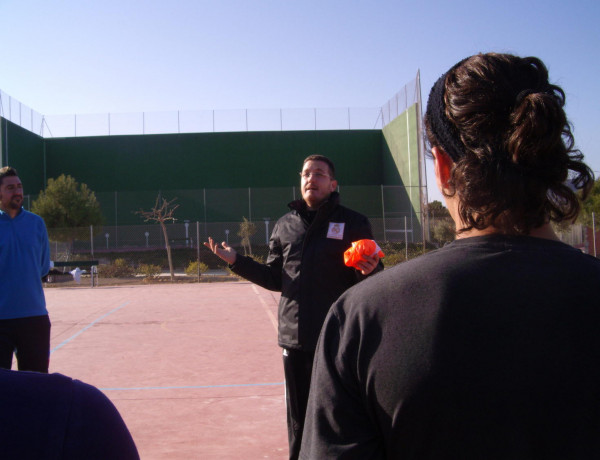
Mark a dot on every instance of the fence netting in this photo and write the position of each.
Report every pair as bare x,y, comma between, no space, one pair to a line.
137,253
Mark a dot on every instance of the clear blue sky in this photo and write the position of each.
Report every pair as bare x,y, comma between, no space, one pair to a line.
83,56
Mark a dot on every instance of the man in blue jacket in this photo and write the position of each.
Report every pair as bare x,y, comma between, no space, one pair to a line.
24,260
306,264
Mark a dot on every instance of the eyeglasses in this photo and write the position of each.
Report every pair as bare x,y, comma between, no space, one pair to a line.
316,175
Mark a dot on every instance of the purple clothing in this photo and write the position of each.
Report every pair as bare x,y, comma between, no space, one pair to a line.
50,416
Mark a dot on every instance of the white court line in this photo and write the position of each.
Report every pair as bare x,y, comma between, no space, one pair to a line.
194,387
267,308
81,331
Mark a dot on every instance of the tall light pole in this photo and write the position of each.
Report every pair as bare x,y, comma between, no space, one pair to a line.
267,220
187,232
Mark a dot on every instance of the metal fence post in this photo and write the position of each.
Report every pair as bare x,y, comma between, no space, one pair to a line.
383,214
405,238
594,232
116,221
92,240
198,247
204,199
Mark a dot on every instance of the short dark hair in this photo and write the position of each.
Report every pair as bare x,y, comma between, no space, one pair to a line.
324,159
7,171
504,126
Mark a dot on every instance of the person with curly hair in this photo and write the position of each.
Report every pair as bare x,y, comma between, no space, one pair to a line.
488,347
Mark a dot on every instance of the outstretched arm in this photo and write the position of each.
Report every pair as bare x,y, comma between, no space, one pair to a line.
267,275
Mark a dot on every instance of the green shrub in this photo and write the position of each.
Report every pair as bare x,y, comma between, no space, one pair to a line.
118,269
149,270
393,258
181,256
192,268
257,258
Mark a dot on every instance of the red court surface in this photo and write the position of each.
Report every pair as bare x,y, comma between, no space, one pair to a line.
194,369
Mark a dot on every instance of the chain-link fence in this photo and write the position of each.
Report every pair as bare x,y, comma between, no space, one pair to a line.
139,247
137,253
206,121
391,203
202,121
190,121
20,114
106,241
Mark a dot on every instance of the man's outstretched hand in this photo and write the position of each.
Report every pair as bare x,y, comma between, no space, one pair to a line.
225,252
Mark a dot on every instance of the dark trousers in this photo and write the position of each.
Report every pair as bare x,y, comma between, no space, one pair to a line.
297,367
29,339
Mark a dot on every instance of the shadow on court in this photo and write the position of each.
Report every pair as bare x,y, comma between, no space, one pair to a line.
194,369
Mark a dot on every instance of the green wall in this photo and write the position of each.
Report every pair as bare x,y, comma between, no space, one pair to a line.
210,173
212,160
24,151
401,166
224,176
401,156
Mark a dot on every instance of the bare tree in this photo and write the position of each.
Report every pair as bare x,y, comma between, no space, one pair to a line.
162,212
247,229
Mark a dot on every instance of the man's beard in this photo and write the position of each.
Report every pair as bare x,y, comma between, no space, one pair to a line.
16,202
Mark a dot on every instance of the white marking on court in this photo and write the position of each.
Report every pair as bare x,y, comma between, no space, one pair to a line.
195,387
267,308
81,331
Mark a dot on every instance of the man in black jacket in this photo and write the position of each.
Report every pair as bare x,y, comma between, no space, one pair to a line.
306,263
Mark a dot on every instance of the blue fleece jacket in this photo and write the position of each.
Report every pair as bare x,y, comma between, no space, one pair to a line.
24,260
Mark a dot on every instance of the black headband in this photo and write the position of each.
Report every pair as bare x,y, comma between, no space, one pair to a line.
443,130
